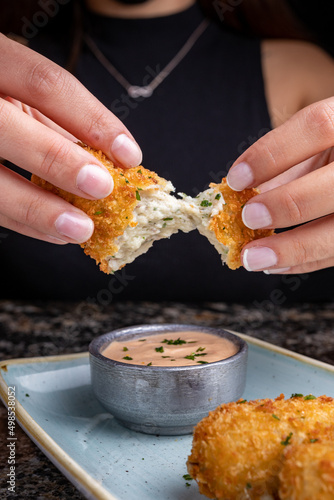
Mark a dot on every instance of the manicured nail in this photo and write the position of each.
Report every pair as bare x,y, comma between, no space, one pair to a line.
276,271
240,176
75,226
257,258
126,151
95,181
256,215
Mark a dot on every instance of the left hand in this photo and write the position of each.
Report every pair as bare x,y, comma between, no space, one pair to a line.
293,166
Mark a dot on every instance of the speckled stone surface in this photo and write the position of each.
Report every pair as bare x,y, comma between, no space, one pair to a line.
45,329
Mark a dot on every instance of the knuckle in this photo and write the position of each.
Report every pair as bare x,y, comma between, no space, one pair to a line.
292,207
321,117
31,212
5,115
96,128
46,79
300,252
55,159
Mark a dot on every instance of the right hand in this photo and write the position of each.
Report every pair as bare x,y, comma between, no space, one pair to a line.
43,109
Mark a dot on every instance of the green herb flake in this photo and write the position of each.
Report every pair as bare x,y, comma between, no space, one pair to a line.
314,440
218,196
159,349
128,358
187,477
206,203
190,356
138,195
242,206
187,485
149,364
200,349
165,356
142,340
27,395
203,362
296,395
242,401
287,440
173,359
127,181
125,349
99,212
308,397
174,342
164,224
248,486
168,218
139,171
275,416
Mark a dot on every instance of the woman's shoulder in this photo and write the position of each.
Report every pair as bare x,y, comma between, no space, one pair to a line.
296,74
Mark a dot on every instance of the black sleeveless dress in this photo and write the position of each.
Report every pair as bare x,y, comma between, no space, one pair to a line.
197,122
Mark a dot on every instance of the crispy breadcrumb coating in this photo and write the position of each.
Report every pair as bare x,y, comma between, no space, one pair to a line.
238,450
139,192
308,469
228,226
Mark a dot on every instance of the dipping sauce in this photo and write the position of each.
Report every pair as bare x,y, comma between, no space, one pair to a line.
172,349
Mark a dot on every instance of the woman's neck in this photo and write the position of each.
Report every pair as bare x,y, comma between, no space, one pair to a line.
151,8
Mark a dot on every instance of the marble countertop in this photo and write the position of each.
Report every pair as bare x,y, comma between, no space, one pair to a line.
54,328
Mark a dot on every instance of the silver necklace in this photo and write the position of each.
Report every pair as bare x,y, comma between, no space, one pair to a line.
136,91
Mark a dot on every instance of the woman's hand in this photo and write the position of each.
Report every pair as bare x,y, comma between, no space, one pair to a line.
38,136
293,166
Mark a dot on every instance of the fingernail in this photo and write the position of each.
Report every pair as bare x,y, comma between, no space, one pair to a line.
240,176
276,271
95,181
256,215
126,151
75,226
257,258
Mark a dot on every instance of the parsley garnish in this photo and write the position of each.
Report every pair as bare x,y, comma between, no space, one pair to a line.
174,342
242,206
314,440
200,349
218,196
125,349
310,396
202,362
187,477
242,401
275,416
126,180
205,203
139,171
287,439
128,358
138,195
159,349
168,218
297,395
149,364
248,485
142,340
99,212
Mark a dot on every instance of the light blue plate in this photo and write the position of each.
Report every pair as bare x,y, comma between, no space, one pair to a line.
56,407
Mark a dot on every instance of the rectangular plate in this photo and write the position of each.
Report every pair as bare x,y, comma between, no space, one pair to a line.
57,409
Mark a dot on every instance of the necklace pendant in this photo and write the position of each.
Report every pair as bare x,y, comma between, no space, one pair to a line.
134,91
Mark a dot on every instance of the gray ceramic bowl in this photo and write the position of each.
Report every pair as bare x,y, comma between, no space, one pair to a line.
165,400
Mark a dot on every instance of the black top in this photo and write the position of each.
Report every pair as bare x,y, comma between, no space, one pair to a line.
197,122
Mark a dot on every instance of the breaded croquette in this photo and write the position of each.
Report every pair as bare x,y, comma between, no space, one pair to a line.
308,469
238,450
141,210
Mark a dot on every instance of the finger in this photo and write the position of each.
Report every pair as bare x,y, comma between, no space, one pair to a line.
308,267
41,118
39,150
308,243
294,203
299,170
307,133
42,84
28,231
40,210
